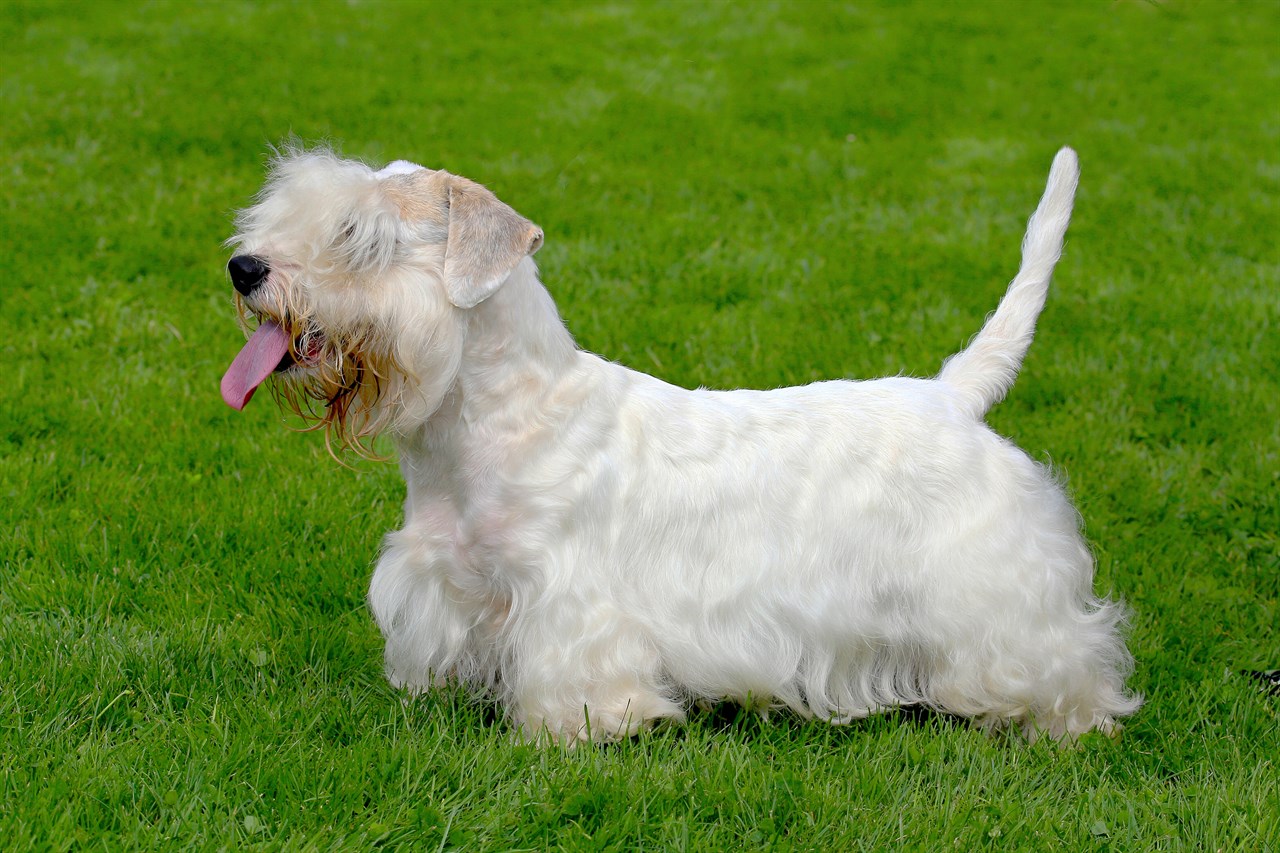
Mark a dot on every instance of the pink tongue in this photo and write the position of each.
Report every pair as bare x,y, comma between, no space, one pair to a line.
254,364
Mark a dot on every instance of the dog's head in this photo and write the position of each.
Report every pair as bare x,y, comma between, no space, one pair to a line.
360,282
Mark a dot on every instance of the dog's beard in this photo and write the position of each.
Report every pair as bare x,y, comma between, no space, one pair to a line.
335,383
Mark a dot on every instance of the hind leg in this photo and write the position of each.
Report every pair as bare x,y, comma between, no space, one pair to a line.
1034,647
1080,687
1057,671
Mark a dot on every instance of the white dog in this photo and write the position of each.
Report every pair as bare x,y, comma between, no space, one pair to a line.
597,548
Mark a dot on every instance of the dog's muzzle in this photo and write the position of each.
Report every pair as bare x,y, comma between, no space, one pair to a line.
247,273
266,351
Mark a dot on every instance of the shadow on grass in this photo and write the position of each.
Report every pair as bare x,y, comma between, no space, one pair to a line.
748,725
455,708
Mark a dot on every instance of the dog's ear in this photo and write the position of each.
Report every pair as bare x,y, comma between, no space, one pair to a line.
486,240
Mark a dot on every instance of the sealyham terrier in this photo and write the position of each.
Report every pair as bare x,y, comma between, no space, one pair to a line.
597,549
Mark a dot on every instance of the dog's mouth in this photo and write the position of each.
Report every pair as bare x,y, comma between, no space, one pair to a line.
269,350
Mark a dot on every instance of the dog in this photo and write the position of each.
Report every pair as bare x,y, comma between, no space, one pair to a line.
598,550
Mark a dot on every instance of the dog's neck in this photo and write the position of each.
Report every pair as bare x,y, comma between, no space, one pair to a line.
516,351
516,345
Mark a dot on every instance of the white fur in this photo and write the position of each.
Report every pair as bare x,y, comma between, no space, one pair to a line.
597,548
397,167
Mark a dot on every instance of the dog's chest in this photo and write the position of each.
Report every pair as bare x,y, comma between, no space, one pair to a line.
479,545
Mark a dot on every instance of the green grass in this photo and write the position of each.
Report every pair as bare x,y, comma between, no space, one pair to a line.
757,194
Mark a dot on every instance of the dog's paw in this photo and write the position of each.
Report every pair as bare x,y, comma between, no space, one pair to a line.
596,723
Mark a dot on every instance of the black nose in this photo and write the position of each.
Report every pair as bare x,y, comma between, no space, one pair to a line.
247,272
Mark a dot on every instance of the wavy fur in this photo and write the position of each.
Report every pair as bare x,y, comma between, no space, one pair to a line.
597,548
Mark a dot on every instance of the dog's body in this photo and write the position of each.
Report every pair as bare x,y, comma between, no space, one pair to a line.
596,547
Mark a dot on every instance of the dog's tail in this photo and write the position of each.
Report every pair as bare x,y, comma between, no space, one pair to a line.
985,370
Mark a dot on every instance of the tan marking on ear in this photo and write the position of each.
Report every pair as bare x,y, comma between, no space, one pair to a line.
487,239
421,196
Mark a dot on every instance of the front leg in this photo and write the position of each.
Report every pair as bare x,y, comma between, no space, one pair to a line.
438,628
581,670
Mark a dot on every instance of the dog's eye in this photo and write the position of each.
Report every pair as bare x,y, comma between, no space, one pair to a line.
366,243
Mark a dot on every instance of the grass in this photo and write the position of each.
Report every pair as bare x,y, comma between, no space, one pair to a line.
754,194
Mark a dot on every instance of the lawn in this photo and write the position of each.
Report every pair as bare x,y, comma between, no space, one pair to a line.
754,194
